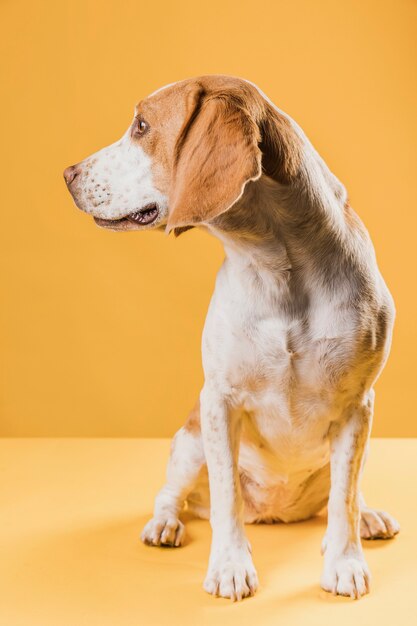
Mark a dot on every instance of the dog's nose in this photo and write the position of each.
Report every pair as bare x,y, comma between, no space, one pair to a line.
70,174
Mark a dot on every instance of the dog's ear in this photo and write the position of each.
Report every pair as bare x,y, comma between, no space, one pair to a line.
280,145
216,154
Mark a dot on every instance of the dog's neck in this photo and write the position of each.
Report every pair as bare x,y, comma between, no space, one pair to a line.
250,230
280,239
271,224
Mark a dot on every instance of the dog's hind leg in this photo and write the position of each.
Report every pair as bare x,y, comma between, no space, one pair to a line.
185,462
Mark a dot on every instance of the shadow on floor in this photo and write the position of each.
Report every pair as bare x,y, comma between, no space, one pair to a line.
105,570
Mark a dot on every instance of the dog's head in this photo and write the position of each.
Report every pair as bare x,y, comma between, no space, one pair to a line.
187,157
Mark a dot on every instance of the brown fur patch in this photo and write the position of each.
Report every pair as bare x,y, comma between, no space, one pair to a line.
208,136
281,148
217,155
181,229
193,424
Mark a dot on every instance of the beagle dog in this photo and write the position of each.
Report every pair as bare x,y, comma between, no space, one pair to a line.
298,329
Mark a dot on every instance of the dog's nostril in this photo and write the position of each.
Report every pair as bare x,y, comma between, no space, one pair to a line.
70,173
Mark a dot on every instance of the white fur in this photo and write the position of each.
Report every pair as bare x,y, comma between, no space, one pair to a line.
117,181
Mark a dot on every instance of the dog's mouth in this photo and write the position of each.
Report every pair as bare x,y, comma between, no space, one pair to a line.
142,217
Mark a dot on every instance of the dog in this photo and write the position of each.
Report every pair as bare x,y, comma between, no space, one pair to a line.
298,329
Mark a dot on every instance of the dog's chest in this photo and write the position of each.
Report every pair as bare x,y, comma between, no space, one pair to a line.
286,372
287,375
282,370
288,402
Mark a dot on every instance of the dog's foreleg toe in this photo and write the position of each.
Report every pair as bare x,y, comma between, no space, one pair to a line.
232,576
163,531
346,576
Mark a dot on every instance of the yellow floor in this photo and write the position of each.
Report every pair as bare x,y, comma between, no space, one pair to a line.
72,510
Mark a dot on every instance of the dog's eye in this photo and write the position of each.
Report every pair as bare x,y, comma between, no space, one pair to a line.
142,127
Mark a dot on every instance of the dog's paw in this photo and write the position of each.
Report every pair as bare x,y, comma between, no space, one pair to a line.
378,524
346,576
163,531
232,575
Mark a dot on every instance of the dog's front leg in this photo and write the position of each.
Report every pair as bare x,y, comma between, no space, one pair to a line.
345,570
231,572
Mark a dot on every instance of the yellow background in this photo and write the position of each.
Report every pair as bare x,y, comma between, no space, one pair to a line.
100,332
